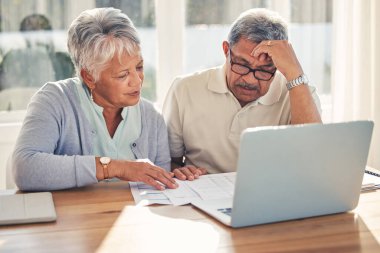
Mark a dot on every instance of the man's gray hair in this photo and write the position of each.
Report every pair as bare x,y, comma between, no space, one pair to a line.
97,35
257,25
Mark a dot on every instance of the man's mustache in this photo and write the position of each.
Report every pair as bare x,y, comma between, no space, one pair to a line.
248,86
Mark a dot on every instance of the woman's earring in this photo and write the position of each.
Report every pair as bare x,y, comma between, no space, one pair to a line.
92,98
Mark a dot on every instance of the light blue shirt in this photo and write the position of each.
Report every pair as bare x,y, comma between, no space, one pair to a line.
127,132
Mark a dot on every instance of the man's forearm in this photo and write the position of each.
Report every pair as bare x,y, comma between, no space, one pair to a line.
303,108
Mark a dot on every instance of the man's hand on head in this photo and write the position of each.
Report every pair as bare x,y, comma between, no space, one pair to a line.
282,54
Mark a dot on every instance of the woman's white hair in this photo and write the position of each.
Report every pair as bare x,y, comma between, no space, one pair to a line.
97,35
257,25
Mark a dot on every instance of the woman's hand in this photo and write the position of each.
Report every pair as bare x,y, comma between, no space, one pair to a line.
147,173
189,172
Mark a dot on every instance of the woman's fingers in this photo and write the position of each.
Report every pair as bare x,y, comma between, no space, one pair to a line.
162,176
150,174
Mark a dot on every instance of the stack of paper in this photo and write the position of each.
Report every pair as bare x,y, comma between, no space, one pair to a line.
211,186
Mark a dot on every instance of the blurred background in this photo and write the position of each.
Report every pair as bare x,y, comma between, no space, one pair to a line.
178,37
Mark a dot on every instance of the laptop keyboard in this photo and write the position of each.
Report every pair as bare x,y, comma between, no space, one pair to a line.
226,210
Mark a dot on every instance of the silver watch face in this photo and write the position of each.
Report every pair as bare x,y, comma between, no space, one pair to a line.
105,160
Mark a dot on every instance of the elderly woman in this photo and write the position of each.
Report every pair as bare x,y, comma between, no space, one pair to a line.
81,130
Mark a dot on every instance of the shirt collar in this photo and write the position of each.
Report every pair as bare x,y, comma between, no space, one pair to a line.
274,93
217,80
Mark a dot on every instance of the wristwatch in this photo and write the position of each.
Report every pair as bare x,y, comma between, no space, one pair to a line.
104,161
302,79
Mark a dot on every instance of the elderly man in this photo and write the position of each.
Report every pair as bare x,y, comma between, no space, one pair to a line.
260,84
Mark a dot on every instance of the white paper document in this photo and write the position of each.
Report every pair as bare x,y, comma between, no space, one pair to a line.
206,187
147,195
212,186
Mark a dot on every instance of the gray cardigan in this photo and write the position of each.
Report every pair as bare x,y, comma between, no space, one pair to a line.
54,148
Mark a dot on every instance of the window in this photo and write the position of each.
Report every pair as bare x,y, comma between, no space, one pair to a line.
33,38
178,37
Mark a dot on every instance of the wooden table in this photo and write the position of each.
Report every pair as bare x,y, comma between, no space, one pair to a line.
103,218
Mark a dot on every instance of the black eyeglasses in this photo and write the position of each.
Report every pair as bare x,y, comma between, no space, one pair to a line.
243,70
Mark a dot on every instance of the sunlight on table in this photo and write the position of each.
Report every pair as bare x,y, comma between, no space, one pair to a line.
152,231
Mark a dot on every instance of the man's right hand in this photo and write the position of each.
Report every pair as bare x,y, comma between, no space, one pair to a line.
189,172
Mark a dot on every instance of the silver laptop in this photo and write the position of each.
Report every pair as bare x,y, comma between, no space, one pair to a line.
292,172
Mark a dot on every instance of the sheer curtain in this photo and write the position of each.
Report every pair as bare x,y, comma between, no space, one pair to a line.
355,64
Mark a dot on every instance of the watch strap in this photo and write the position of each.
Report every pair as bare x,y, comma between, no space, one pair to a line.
105,171
302,79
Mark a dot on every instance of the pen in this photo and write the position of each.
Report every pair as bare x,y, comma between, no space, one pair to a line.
372,173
